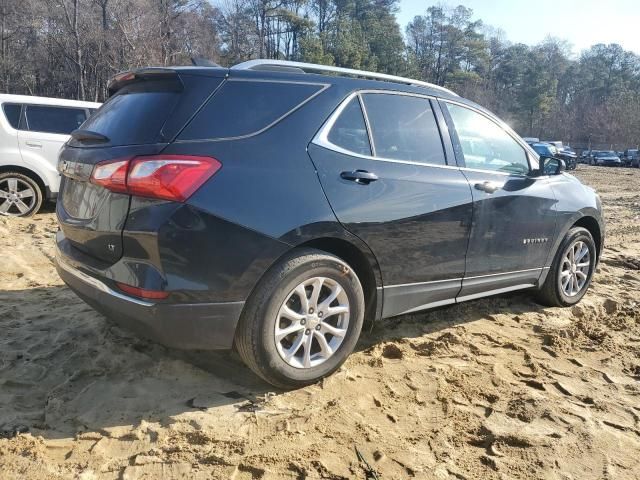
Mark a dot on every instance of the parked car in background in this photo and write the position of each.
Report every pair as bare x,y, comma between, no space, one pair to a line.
631,157
546,149
273,207
32,131
556,143
543,149
585,156
569,156
606,158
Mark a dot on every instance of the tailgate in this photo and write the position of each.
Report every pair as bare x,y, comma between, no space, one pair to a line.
147,109
92,217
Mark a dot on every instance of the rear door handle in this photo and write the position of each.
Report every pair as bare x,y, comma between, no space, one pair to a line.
361,177
33,144
488,187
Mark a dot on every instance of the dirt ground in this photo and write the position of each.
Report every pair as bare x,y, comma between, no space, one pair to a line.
495,388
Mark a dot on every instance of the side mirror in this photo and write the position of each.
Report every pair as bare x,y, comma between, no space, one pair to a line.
552,166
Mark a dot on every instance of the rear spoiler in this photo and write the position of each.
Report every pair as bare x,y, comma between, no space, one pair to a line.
154,73
172,75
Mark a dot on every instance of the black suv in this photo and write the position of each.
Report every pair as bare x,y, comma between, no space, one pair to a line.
272,208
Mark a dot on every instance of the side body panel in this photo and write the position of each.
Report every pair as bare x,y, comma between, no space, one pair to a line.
575,202
415,216
514,214
513,229
268,195
415,219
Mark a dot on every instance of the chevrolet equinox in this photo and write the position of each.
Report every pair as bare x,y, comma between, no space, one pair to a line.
273,206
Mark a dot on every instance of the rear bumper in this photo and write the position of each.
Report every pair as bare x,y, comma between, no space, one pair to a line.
205,326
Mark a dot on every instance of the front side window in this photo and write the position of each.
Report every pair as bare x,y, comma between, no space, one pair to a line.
349,131
12,112
59,120
486,145
404,128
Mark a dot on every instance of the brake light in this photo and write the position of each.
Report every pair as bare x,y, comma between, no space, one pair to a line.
168,177
142,293
111,174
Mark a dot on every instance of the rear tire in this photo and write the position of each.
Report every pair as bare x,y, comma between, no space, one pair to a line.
20,195
296,296
570,275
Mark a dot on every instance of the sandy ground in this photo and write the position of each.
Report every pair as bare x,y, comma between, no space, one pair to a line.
496,388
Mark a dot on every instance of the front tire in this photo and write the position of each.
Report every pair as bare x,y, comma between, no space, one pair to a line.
572,270
302,320
20,196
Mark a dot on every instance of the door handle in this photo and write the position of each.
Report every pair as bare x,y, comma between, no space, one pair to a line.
33,144
488,187
361,177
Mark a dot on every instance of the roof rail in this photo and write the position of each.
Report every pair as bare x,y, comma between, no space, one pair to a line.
284,65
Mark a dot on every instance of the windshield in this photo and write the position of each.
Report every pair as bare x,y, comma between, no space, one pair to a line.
606,154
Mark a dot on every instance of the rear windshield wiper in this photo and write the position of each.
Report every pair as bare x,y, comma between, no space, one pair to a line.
87,136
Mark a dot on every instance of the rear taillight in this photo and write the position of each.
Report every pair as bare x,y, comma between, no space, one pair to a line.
111,174
168,177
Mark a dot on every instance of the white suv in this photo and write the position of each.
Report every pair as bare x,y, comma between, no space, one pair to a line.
32,131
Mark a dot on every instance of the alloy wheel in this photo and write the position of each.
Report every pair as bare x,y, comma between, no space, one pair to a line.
17,197
312,322
574,272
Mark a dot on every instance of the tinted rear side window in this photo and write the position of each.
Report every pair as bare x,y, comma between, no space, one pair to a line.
350,131
241,108
60,120
12,112
404,128
135,114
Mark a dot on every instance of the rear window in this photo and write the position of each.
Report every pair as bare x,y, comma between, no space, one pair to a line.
242,108
12,113
135,114
61,120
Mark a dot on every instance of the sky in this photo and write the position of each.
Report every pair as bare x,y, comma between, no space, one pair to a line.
582,22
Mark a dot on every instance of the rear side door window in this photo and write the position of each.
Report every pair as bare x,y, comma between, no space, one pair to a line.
404,127
49,119
350,130
485,145
12,113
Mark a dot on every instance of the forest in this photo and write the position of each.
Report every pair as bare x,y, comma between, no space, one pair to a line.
70,49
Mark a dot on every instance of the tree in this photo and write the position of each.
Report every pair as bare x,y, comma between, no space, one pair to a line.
70,48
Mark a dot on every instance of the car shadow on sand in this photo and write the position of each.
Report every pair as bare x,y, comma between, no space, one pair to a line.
66,369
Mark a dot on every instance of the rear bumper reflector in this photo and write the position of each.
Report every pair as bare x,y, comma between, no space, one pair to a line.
142,293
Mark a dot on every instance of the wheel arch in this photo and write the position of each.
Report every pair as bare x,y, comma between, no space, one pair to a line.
29,173
592,225
587,218
364,264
